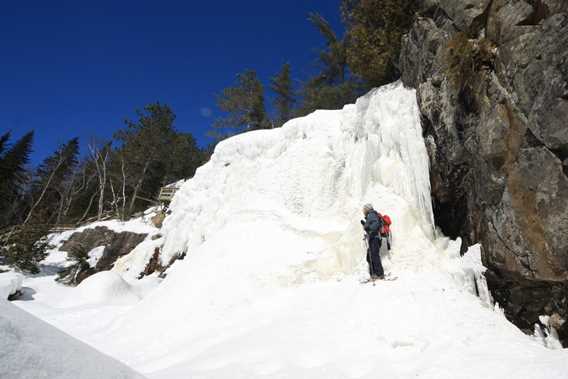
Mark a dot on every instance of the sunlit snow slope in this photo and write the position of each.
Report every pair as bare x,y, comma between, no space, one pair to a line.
270,285
32,349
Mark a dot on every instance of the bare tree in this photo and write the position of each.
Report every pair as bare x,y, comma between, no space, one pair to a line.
123,173
100,158
46,186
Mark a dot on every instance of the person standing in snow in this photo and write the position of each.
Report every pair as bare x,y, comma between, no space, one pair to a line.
372,225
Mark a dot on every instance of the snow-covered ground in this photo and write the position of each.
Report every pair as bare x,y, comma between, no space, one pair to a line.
271,285
32,349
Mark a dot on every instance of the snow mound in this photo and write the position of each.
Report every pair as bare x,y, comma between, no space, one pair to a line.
31,349
104,287
10,283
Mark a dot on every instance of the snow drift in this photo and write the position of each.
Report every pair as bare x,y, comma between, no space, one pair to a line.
32,349
270,285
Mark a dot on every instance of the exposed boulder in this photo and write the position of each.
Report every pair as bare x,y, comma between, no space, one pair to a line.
81,244
158,219
498,144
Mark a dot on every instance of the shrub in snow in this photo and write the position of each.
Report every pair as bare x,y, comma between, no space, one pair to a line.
25,247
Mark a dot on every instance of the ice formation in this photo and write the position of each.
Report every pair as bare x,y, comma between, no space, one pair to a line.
270,286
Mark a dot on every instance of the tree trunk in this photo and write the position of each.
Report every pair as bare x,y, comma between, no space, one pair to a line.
123,216
137,187
88,207
49,180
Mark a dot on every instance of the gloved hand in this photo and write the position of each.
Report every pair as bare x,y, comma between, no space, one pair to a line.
362,222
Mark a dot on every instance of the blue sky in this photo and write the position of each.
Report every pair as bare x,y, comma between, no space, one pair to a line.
79,68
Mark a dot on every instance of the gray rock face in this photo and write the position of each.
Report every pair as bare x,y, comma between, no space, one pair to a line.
466,14
499,145
116,245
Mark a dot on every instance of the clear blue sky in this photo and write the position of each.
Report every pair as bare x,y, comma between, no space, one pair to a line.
79,68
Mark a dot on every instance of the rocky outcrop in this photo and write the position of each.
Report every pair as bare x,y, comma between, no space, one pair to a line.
81,243
498,140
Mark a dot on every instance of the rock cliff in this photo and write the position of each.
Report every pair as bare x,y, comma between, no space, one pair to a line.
492,84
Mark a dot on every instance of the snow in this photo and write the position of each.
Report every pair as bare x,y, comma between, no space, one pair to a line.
10,283
104,287
94,255
271,285
32,349
131,265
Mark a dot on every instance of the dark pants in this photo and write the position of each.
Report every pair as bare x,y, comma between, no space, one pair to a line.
374,257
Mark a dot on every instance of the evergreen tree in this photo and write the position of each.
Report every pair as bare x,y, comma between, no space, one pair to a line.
153,154
281,84
333,58
183,159
243,104
50,181
3,141
12,175
26,247
333,87
317,94
144,143
374,33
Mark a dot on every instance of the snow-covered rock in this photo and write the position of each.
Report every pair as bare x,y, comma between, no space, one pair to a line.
10,284
33,349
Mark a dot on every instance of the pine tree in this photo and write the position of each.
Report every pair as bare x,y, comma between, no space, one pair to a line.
13,174
26,247
243,104
3,141
334,86
334,57
183,145
281,84
153,153
374,32
317,94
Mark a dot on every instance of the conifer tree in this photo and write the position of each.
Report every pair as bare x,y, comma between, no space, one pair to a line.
4,138
333,58
374,32
243,105
281,84
12,174
333,87
152,153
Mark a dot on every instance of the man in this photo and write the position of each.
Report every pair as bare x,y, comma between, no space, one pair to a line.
372,225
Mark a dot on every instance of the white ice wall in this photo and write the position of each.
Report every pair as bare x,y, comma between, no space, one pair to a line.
270,288
312,176
276,208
